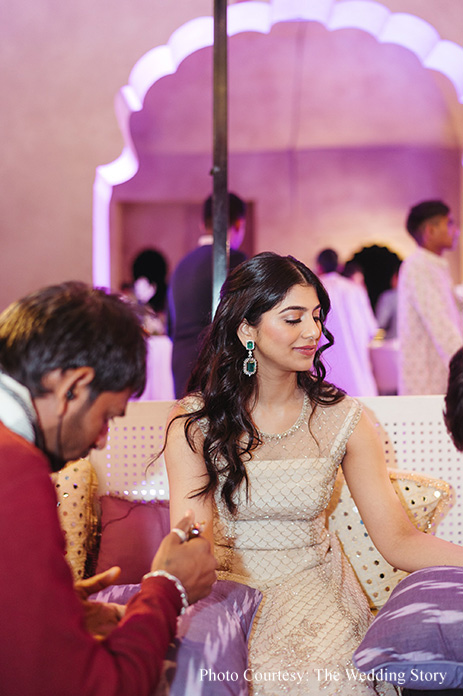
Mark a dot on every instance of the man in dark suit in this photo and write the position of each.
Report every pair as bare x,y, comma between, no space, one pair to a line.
190,291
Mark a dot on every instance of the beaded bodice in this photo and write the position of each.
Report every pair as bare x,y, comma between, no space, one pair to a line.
291,479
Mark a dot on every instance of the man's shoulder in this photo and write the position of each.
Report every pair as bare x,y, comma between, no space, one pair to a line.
422,263
422,257
198,255
191,265
22,463
13,444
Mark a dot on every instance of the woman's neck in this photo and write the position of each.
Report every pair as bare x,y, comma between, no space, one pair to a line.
278,405
278,388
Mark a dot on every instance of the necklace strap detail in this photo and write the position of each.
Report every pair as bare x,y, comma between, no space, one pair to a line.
303,417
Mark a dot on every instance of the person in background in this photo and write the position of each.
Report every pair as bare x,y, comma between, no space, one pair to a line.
429,322
386,308
353,325
453,413
149,272
190,290
70,358
353,271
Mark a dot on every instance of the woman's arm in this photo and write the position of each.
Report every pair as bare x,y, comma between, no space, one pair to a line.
395,537
187,473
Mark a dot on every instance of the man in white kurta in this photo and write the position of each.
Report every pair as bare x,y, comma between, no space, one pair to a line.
430,326
353,325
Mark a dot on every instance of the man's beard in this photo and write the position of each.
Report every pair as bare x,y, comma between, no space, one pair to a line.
57,459
56,462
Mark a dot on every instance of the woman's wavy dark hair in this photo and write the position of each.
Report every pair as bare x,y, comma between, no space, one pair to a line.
251,289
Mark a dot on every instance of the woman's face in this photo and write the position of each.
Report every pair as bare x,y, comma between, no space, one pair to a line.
286,337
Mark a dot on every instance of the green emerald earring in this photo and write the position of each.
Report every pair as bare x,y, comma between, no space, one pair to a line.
250,364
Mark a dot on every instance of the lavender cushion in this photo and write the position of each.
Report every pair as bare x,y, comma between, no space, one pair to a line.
416,640
119,594
131,532
210,654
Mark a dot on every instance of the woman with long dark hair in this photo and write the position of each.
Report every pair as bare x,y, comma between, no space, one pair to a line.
254,450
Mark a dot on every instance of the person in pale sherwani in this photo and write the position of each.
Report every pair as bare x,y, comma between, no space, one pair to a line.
430,326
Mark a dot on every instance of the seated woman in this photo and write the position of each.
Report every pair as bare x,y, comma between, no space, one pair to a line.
254,450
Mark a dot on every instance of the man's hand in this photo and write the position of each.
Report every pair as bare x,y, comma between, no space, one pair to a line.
85,588
191,561
100,618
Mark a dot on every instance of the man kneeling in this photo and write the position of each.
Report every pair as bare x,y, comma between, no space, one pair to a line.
70,358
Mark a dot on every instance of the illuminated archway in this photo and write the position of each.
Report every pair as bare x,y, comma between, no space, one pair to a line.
405,30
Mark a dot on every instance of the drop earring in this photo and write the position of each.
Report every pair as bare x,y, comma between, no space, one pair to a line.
250,364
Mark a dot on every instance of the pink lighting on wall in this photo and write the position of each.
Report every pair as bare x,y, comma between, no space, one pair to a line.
402,29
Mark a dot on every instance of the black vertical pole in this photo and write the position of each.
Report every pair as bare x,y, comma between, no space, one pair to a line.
220,154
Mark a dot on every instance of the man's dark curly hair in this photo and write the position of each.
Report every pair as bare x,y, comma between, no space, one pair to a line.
73,325
421,213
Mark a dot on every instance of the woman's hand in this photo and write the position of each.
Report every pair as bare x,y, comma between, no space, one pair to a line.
190,561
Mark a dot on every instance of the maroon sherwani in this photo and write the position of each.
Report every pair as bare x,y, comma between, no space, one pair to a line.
45,649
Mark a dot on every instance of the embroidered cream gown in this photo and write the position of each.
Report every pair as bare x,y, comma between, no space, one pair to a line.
314,613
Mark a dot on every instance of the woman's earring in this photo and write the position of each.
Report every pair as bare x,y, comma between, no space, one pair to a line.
250,364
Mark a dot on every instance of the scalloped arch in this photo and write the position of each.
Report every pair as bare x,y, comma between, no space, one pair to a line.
406,30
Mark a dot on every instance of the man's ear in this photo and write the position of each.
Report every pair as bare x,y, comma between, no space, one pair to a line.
75,383
427,234
246,332
70,385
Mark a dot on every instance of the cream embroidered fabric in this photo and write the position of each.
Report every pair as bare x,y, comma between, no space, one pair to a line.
314,612
426,500
429,323
76,485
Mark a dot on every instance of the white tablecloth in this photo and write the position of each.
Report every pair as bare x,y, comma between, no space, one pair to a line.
384,361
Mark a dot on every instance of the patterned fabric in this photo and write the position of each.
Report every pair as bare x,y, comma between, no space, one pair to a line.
429,324
415,641
211,643
314,613
76,486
